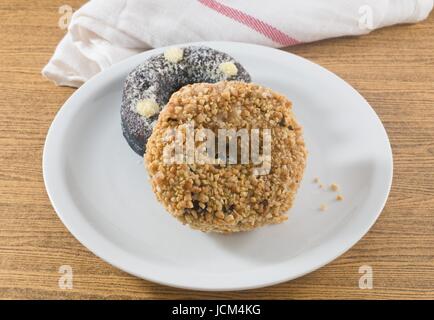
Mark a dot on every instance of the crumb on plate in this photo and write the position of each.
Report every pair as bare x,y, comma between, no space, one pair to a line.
334,187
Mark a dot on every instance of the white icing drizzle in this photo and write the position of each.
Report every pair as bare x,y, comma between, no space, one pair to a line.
174,54
228,68
147,107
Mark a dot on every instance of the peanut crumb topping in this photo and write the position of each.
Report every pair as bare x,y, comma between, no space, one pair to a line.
228,198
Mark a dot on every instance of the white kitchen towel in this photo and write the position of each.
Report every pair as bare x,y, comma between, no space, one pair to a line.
103,32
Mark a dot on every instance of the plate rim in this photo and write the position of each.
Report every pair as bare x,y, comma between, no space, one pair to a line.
95,248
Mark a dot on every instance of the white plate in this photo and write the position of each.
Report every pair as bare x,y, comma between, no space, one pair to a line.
99,187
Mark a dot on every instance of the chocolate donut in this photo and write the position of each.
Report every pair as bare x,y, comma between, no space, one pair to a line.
150,85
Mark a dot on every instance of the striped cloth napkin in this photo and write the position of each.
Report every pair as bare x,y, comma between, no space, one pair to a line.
103,32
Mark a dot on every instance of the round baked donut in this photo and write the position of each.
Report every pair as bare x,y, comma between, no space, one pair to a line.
218,194
149,86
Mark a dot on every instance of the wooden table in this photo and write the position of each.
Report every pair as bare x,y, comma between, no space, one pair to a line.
392,68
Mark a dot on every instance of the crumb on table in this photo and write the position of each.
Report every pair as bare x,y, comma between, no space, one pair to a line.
323,207
339,197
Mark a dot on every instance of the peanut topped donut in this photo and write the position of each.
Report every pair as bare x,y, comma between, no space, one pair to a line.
223,190
149,86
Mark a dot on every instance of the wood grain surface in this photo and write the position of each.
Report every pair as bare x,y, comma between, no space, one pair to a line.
393,69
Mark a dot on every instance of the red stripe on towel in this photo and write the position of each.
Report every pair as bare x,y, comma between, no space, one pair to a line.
258,25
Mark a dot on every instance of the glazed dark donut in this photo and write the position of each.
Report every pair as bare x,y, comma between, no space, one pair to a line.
150,85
